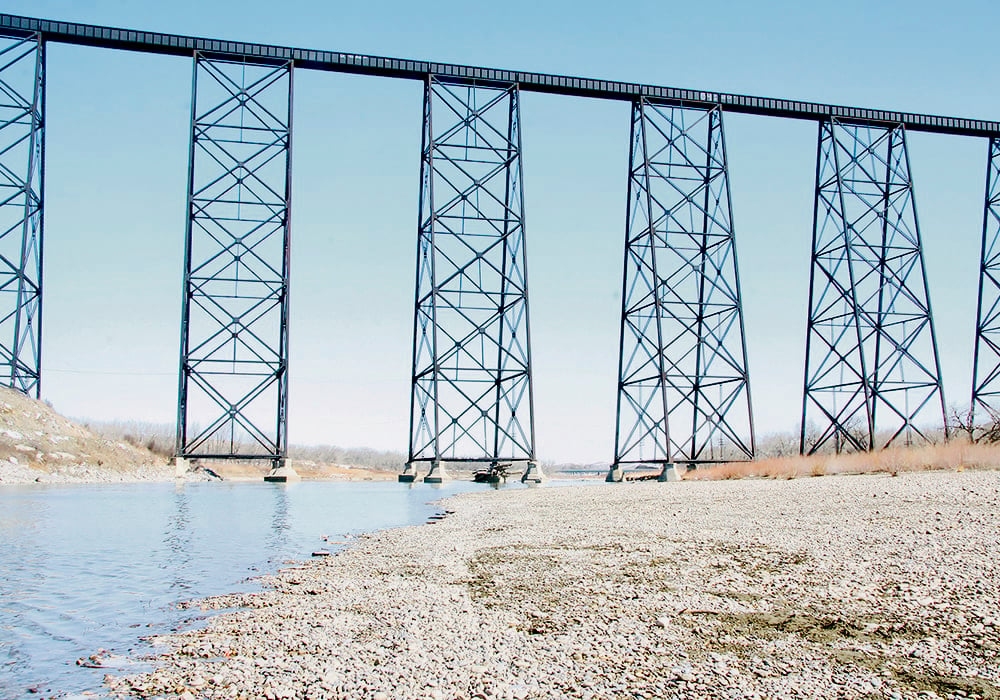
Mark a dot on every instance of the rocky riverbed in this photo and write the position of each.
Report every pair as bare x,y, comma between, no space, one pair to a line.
832,587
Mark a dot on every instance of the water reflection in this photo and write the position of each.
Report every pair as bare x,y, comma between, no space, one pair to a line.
177,543
280,519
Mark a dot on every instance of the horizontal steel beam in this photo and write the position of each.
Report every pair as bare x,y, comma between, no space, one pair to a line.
176,45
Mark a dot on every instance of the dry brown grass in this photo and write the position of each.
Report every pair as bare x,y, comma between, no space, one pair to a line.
954,455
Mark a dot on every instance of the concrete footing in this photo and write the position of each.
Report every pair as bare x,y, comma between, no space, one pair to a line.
409,474
669,473
436,475
282,473
615,474
181,467
532,474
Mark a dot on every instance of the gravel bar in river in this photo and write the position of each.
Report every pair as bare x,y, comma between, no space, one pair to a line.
864,586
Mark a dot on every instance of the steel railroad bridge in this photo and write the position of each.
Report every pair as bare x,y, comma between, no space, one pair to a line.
872,375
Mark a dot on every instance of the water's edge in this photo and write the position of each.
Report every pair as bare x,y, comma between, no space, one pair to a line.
99,569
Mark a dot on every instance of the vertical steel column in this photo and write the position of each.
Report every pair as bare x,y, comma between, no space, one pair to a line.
683,390
22,183
986,365
471,395
234,325
872,373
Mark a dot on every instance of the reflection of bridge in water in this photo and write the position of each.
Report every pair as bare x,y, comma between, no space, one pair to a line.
872,375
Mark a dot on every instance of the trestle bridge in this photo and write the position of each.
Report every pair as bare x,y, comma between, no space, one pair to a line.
872,374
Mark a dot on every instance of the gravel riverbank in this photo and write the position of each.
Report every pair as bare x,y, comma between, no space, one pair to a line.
82,473
833,587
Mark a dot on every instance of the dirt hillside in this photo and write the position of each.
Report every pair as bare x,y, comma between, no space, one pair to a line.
38,444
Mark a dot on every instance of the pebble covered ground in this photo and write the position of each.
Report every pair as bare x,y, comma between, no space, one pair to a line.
865,586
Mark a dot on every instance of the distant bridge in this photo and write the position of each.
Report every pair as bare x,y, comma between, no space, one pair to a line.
872,375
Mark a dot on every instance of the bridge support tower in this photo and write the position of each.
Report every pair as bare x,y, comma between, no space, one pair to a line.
683,389
986,366
234,326
22,182
471,392
872,375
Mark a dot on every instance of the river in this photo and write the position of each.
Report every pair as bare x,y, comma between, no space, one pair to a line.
90,567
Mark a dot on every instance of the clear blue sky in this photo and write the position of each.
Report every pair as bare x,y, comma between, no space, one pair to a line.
117,159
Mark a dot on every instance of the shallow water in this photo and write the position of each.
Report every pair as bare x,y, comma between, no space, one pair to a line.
92,567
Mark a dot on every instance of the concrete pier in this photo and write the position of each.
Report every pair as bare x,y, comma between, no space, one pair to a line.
282,473
409,474
669,473
181,466
436,475
532,473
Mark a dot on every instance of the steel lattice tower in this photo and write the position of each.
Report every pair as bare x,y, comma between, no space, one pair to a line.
471,397
872,371
986,366
22,177
234,327
683,391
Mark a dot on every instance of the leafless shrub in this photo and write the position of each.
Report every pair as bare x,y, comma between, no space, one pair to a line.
348,456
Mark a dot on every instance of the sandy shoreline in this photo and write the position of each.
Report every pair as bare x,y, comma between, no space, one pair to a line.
849,587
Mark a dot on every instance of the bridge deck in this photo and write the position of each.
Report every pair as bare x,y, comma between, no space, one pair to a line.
173,44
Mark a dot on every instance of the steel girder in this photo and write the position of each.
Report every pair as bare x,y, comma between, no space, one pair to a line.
22,178
986,365
872,372
683,390
471,396
234,326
